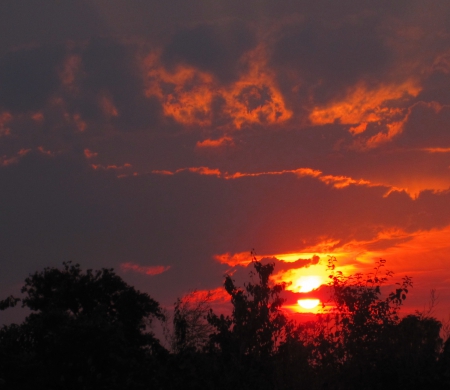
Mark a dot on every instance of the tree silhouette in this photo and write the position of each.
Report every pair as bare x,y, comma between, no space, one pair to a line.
191,328
90,330
257,323
87,330
248,340
362,342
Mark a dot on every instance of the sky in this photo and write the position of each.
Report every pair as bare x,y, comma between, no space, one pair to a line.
167,140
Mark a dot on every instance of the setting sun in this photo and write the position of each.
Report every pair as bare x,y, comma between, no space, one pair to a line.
308,283
308,303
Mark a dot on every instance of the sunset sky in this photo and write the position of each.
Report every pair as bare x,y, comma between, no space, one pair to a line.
167,139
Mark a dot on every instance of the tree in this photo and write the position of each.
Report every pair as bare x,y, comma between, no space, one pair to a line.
248,340
362,342
257,323
86,330
191,328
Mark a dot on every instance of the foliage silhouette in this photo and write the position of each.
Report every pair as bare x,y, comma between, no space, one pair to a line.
87,330
248,340
257,323
361,341
90,330
191,328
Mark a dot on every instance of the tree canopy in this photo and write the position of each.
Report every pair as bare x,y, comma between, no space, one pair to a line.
90,327
91,330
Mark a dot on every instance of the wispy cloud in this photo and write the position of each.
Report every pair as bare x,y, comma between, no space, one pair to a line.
142,269
336,181
214,143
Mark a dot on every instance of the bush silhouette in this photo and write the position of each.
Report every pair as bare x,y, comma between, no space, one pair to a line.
87,330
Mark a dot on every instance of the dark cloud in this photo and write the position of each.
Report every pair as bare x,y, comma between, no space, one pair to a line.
436,88
110,74
327,58
52,22
28,78
430,119
212,48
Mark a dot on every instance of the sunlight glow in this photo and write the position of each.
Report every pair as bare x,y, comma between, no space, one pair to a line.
308,283
308,303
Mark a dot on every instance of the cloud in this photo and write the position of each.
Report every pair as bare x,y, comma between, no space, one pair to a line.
28,78
194,97
147,270
213,48
217,295
437,150
431,117
5,161
380,110
5,117
90,154
321,58
334,181
243,259
214,143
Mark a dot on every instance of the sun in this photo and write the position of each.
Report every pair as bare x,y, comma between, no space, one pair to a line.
308,303
308,283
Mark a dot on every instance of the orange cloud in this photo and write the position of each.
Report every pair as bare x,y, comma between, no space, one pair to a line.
422,255
362,106
335,181
147,270
301,172
5,161
437,150
242,258
216,295
344,181
205,171
255,97
214,143
44,151
164,172
382,137
187,94
38,117
89,154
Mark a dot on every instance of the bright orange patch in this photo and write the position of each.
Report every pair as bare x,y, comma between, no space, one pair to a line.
308,303
187,94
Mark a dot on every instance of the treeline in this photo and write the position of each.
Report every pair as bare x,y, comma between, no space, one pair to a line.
91,330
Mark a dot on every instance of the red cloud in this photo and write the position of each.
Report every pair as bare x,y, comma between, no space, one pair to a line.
217,295
4,161
365,106
332,180
44,151
252,99
147,270
437,150
89,154
242,258
214,143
